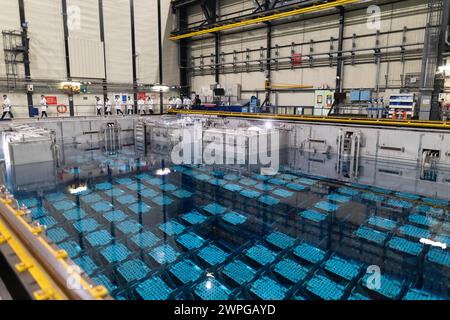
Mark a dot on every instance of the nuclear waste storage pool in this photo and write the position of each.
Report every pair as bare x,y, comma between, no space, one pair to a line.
336,221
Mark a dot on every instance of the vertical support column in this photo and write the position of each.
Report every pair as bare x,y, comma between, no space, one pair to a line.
181,15
133,54
268,69
26,56
102,39
160,59
340,60
66,46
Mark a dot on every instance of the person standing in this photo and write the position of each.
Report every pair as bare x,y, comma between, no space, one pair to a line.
99,106
130,105
187,103
178,103
44,107
197,101
7,107
118,103
108,107
141,105
150,105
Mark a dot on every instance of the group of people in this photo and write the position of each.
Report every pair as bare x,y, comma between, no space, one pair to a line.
7,107
184,102
144,105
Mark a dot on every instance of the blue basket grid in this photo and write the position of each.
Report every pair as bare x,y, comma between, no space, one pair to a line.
397,203
71,247
443,239
371,234
168,187
49,222
54,197
338,198
201,177
261,177
268,289
295,186
116,192
186,271
291,270
172,228
414,232
127,199
387,287
325,288
129,226
348,191
422,220
142,176
140,208
248,182
248,193
217,182
194,217
154,181
439,256
99,238
214,208
261,254
133,270
313,215
87,264
212,289
405,246
164,254
38,212
406,195
212,255
382,223
306,181
436,202
29,202
91,198
64,205
231,177
239,272
277,181
135,186
264,187
348,270
115,216
326,206
268,200
104,281
162,200
380,190
357,296
115,253
309,253
182,194
86,225
102,206
234,218
232,187
288,177
74,214
191,241
283,193
416,294
145,239
280,240
124,181
154,289
369,196
57,234
148,193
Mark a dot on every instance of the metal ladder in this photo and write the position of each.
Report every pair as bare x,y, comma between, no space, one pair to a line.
112,134
12,47
349,145
140,137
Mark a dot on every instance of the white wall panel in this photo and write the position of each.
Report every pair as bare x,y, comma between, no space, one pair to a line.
86,58
169,47
47,53
89,19
118,41
9,20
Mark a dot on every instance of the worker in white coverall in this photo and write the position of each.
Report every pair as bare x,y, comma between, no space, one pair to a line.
44,107
7,107
150,105
118,103
108,107
178,103
99,105
187,103
130,105
141,105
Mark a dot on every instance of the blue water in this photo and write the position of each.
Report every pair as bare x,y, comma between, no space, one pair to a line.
209,233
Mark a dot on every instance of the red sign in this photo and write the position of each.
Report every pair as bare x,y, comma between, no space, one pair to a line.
141,95
51,100
296,59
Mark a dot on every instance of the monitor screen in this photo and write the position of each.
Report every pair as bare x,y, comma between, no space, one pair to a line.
219,92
